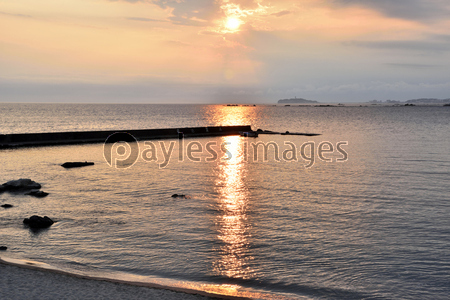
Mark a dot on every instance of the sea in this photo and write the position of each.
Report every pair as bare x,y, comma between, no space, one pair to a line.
360,211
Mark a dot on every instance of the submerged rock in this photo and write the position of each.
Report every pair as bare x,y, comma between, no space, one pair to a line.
76,164
37,193
38,222
6,205
20,184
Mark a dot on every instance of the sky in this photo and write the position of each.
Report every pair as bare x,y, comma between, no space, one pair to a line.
223,51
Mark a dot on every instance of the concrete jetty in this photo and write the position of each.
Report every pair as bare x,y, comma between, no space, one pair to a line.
86,137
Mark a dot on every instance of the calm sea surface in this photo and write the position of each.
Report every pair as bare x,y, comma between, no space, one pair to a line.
370,223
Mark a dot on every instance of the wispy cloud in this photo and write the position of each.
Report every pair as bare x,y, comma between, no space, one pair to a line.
418,10
145,19
15,15
281,13
426,45
192,13
412,66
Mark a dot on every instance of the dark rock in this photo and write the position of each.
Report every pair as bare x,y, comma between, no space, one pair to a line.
77,164
20,184
3,248
38,222
37,194
179,196
6,205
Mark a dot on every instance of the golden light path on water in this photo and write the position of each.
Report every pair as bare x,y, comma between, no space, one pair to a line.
232,223
221,115
232,256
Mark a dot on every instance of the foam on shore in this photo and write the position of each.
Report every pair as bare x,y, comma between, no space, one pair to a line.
22,279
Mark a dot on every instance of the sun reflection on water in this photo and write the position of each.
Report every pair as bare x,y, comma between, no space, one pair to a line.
221,115
232,223
233,259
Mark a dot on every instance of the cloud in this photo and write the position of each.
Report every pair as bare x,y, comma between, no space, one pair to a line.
173,43
416,10
199,12
413,66
442,37
133,1
149,91
145,19
15,15
430,44
281,13
192,12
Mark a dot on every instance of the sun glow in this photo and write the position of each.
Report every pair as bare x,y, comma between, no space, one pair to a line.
232,24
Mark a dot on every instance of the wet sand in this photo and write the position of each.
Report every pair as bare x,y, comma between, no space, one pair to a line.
28,282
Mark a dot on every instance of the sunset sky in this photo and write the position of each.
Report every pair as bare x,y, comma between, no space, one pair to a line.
205,51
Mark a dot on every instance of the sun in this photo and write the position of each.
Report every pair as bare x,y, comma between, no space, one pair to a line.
232,24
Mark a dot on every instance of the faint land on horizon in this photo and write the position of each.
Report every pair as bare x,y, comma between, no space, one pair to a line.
296,100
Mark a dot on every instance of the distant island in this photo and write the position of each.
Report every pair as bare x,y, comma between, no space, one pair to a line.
296,100
414,101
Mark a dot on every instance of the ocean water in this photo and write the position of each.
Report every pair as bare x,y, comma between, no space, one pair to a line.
366,217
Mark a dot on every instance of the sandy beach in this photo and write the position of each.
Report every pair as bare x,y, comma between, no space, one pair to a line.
23,282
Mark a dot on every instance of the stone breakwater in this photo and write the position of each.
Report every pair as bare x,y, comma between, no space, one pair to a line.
86,137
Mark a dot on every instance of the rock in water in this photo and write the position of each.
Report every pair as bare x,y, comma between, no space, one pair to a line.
179,196
76,164
38,222
3,248
37,193
20,184
6,205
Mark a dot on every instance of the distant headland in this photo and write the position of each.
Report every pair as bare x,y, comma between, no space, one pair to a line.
296,100
413,101
420,101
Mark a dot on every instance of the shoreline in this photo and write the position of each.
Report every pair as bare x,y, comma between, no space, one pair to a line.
47,278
